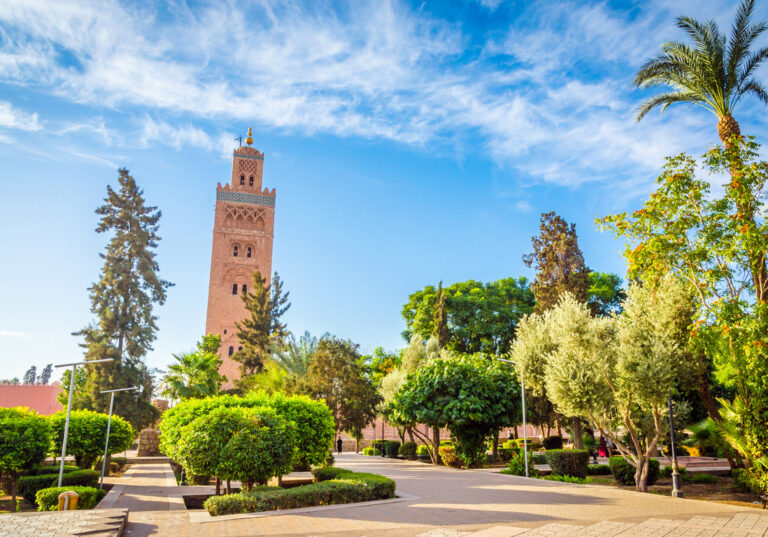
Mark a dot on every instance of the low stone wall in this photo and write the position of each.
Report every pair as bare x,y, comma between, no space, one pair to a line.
149,443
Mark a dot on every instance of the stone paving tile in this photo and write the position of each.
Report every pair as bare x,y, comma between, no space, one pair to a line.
62,523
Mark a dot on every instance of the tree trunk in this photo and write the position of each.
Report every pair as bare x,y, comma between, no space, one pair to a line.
229,487
577,443
410,434
14,487
641,473
436,444
495,446
218,486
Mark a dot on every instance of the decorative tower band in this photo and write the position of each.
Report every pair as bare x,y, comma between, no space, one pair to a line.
243,232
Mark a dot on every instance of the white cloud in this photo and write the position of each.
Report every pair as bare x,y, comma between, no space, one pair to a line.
551,98
523,206
15,334
13,118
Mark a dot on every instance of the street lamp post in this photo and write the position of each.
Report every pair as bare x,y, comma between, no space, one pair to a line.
525,431
676,492
109,426
69,407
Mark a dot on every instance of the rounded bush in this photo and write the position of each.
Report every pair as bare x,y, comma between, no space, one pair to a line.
598,469
369,451
408,450
391,448
624,472
48,499
422,452
29,485
25,438
326,474
449,457
553,442
571,462
88,433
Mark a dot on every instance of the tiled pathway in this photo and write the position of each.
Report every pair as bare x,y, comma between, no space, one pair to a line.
451,501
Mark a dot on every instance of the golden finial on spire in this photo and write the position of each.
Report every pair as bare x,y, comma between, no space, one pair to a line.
249,139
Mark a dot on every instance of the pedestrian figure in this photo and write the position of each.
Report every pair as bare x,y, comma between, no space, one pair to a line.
338,445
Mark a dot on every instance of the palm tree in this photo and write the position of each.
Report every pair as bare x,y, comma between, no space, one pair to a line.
715,73
194,375
294,356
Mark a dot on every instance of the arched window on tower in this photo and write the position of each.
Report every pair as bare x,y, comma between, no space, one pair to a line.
250,181
231,351
245,288
234,289
242,179
234,251
239,348
248,252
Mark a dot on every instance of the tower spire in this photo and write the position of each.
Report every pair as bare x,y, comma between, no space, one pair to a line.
249,138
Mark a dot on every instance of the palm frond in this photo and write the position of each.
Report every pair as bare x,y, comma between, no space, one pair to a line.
751,62
756,88
665,99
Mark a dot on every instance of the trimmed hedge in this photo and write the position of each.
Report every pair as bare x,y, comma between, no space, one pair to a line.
369,451
422,451
408,450
598,469
566,479
538,458
347,488
571,462
391,448
81,478
48,499
326,474
624,472
29,485
553,442
42,470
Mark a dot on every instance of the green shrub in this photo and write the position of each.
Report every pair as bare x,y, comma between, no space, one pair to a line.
197,479
48,499
88,433
30,484
326,474
47,469
516,465
566,478
539,458
666,471
449,457
347,488
391,447
81,478
25,438
369,451
506,454
422,451
510,444
571,462
746,482
624,472
121,461
598,469
690,477
408,450
446,443
553,442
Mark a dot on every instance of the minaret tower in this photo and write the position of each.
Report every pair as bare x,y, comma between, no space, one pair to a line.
243,229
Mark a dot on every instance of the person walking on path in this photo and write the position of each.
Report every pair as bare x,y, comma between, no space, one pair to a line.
338,445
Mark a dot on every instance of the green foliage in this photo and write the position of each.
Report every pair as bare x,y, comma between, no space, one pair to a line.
690,477
195,374
723,259
516,465
422,451
553,442
338,376
247,444
598,469
24,441
605,294
449,457
566,479
295,354
745,481
313,421
391,448
88,433
262,330
480,317
347,487
558,262
45,469
122,300
28,485
624,472
48,499
408,450
370,451
381,363
470,395
539,458
325,474
571,462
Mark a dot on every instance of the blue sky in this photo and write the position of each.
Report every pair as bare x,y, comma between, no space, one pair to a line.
408,143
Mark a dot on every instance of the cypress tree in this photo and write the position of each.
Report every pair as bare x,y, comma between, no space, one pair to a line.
440,330
122,300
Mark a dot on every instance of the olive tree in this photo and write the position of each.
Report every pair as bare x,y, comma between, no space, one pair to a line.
24,441
615,371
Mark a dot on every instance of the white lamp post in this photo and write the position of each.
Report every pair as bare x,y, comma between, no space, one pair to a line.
109,426
525,431
69,407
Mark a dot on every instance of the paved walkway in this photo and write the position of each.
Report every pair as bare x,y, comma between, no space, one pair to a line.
463,501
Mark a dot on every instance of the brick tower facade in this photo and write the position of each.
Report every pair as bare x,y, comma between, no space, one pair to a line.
243,229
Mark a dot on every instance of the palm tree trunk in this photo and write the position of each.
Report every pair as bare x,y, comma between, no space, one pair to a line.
727,128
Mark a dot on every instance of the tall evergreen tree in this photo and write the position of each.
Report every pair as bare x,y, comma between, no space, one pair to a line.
30,375
123,299
441,318
262,330
558,262
45,376
560,269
